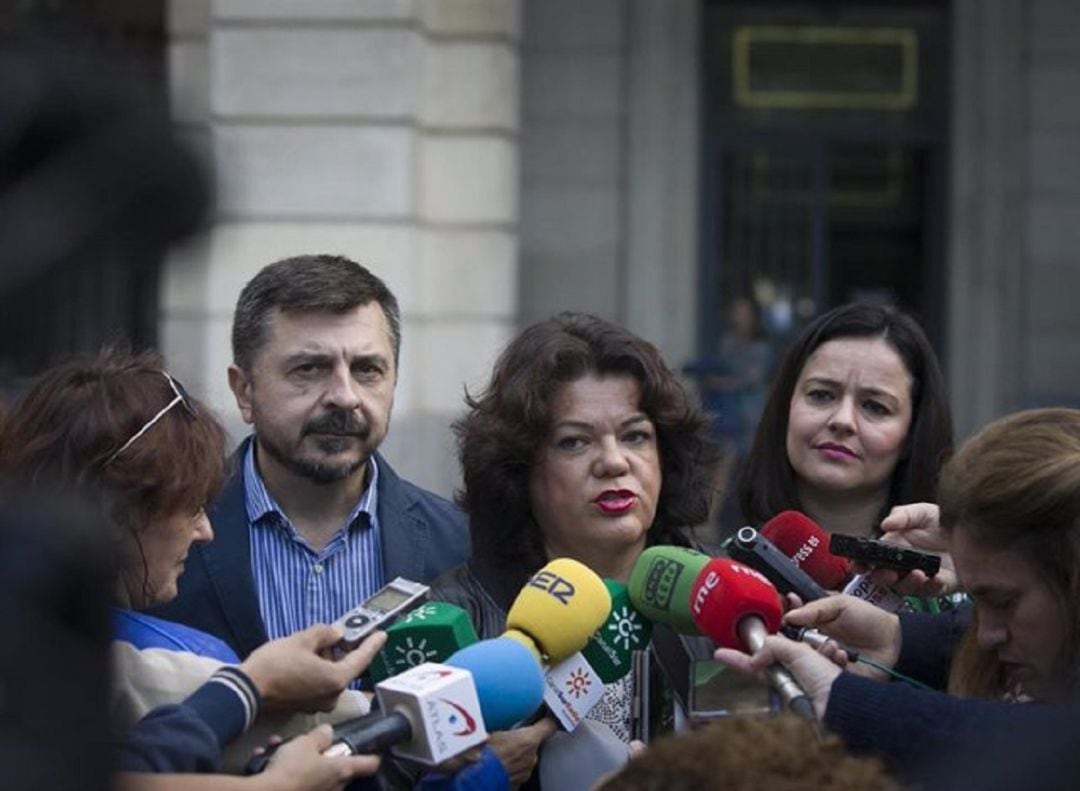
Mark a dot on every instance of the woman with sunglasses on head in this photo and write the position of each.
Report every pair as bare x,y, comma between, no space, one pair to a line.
119,433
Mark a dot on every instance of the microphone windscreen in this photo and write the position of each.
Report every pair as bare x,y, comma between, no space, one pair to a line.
807,544
611,647
660,585
560,608
430,633
509,682
725,593
577,759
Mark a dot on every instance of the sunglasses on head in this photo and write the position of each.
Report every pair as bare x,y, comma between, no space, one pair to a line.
180,396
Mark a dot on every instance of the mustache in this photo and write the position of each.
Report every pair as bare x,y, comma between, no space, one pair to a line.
339,422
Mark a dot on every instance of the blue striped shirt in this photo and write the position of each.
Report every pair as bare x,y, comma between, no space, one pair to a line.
297,586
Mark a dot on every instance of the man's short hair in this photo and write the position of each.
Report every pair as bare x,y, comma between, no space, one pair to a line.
307,284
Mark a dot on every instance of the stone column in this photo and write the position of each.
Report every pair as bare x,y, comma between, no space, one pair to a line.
384,130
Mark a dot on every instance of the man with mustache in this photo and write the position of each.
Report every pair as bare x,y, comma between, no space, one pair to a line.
313,520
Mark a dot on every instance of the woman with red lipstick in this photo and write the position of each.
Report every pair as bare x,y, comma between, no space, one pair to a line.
583,445
856,422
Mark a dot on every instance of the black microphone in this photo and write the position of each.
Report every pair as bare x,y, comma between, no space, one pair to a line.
752,549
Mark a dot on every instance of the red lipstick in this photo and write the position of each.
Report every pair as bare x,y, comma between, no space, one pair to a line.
615,502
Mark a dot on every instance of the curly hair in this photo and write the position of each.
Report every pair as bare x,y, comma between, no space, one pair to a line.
1015,487
781,753
500,436
767,482
64,432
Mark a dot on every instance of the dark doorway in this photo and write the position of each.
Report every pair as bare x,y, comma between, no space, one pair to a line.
825,132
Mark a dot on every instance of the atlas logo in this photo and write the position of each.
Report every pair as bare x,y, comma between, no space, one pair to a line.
445,715
559,587
578,683
429,675
625,624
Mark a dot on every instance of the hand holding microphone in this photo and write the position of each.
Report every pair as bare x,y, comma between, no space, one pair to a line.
916,526
738,607
813,673
871,631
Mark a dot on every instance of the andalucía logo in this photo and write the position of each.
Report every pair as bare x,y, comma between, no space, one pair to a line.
421,613
459,716
626,624
412,654
579,682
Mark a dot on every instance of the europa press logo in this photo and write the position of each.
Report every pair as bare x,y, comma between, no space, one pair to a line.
578,682
412,653
625,628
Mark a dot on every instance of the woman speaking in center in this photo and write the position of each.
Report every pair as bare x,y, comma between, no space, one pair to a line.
583,445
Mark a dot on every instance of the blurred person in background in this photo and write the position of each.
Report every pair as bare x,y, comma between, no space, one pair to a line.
583,445
734,395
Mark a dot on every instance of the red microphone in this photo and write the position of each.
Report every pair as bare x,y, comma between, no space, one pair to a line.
737,607
807,544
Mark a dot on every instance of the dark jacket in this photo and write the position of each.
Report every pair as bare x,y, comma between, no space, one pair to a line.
422,535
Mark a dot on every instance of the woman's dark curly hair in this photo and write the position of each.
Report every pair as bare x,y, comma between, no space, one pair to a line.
501,435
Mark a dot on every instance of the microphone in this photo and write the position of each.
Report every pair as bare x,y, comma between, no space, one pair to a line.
558,609
797,535
508,681
432,632
434,712
660,585
737,607
575,685
807,545
756,551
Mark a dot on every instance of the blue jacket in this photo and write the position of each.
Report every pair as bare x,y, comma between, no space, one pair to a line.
422,535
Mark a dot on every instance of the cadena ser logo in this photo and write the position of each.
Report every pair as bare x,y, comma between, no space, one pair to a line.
624,628
559,587
660,581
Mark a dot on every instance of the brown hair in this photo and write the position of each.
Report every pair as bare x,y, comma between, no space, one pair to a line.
1015,486
749,753
307,283
767,483
498,439
64,430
